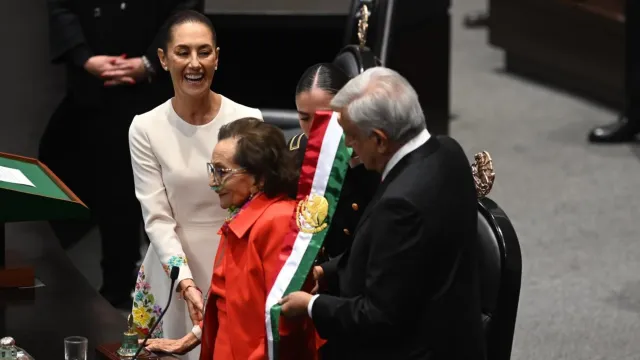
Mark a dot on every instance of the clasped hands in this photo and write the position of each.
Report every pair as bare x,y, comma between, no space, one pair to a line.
297,302
116,70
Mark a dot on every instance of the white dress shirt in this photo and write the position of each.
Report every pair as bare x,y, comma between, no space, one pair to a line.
407,148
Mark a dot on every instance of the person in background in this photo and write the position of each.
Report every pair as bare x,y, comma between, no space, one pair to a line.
409,287
170,148
627,127
251,171
315,90
113,73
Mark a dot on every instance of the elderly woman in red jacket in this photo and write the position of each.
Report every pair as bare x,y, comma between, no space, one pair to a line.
252,171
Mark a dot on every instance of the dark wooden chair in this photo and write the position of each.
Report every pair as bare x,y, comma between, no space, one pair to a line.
500,265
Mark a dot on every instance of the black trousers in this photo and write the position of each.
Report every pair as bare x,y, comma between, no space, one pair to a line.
87,147
632,48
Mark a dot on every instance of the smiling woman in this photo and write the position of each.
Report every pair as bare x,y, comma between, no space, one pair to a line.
190,53
170,146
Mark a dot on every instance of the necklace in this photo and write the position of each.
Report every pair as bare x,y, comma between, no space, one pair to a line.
233,212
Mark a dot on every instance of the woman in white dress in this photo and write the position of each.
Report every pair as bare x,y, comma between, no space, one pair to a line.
170,148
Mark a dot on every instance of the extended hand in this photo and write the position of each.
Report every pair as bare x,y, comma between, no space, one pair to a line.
173,346
124,71
195,304
295,304
318,273
194,300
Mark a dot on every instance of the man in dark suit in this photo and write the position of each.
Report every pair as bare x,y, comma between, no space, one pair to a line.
109,48
627,127
408,285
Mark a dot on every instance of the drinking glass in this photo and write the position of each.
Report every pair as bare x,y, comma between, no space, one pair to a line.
75,348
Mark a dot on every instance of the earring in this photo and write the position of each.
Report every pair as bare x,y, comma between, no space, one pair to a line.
216,68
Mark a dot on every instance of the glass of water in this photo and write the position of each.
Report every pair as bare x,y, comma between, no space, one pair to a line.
75,348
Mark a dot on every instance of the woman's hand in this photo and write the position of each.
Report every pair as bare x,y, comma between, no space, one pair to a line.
193,297
173,346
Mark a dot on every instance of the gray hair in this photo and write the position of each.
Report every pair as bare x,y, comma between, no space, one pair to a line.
382,99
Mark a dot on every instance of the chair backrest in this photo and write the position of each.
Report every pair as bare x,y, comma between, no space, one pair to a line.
354,60
500,265
286,120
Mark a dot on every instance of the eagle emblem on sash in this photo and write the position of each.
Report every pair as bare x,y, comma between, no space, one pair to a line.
311,214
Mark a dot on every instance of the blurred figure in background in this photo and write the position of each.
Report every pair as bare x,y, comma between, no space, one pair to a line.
110,52
628,125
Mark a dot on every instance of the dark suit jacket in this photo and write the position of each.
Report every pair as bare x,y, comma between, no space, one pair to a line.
79,29
408,285
357,190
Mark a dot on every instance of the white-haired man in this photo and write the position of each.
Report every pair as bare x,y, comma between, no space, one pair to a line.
408,284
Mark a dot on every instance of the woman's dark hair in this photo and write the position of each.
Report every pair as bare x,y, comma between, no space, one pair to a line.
183,17
324,76
262,150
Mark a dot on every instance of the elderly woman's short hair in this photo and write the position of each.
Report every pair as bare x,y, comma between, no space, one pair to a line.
261,150
380,98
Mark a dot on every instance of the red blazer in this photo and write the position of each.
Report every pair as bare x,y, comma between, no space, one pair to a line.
249,258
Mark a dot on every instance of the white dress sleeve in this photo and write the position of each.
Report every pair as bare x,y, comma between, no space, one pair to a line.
258,114
156,210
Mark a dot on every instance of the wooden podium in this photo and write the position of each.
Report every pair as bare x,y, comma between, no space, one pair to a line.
29,191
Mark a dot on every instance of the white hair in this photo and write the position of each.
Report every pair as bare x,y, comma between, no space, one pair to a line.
382,99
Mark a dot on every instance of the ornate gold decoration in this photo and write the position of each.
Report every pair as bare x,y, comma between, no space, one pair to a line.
311,214
363,24
483,173
294,144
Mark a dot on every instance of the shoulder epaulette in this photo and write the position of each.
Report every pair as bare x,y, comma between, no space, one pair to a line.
294,143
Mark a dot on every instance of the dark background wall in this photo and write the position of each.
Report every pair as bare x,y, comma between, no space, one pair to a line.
262,57
31,87
297,7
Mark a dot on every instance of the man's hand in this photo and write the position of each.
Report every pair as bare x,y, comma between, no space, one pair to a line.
125,71
318,273
97,65
295,304
173,346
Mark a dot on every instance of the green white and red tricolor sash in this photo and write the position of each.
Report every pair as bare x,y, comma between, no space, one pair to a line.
323,171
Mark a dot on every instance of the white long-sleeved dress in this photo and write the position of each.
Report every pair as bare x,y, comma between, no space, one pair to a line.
182,215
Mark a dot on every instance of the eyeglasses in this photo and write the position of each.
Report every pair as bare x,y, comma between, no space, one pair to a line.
219,174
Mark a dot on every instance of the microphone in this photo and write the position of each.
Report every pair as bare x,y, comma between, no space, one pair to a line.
175,271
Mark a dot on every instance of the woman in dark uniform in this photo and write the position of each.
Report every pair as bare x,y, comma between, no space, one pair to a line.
316,88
